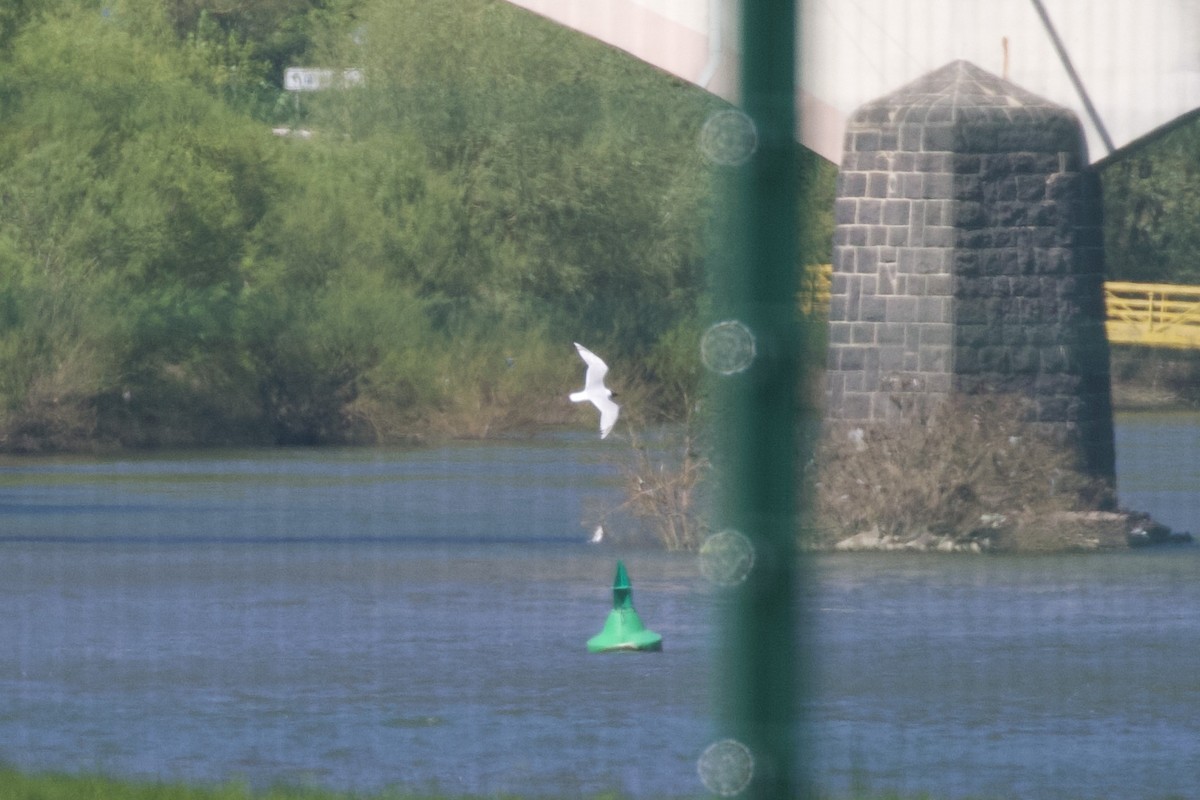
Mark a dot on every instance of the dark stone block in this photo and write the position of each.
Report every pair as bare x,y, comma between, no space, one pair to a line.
867,261
970,336
897,237
853,293
937,212
934,162
870,212
939,115
872,308
839,333
932,261
966,360
938,185
911,185
933,309
1054,359
939,236
1031,188
978,138
965,164
969,241
1046,214
999,261
852,235
1011,215
844,210
995,166
968,187
890,333
888,280
866,141
856,406
970,311
877,184
1002,189
862,333
853,358
968,215
891,359
837,311
940,138
895,212
934,359
1026,286
843,261
851,184
940,285
943,334
901,309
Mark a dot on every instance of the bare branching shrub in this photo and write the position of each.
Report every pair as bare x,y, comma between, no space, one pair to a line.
663,482
944,471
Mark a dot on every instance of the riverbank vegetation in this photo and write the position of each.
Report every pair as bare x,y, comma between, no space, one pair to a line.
416,254
413,258
15,785
1150,211
1151,236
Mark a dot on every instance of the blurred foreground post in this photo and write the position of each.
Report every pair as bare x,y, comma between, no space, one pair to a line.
752,357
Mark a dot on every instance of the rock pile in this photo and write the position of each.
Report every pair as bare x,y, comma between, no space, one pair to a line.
1059,531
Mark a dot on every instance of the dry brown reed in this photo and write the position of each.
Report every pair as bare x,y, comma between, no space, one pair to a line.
943,472
663,484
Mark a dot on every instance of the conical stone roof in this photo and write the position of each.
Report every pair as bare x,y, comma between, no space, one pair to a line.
963,108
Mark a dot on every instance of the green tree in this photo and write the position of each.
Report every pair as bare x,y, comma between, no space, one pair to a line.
129,197
1151,208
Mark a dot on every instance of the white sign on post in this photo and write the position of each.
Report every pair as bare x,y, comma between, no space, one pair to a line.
315,79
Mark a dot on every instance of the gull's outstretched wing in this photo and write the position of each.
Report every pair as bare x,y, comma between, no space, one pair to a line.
595,392
596,368
608,414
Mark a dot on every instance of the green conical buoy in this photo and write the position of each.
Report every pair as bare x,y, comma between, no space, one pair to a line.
623,630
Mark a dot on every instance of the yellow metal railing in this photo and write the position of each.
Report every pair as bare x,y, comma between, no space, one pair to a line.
1146,314
1153,314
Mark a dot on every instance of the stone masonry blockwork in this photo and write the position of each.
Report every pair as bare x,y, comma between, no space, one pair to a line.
968,259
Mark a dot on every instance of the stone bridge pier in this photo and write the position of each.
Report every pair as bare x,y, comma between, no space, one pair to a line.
968,259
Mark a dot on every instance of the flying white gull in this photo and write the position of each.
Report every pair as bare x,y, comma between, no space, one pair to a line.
595,391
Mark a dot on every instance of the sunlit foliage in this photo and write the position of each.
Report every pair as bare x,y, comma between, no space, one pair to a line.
416,256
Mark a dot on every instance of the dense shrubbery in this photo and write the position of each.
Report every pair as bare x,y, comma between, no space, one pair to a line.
171,272
1150,208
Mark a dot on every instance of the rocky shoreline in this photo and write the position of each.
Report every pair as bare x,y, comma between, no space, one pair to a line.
1054,532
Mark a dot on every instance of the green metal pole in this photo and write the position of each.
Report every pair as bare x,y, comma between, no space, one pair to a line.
753,355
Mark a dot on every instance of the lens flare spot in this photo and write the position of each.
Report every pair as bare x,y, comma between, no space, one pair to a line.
726,767
726,557
729,138
727,348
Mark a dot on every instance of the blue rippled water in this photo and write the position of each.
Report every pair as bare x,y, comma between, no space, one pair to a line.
364,619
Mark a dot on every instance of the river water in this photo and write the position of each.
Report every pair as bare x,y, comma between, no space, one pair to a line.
365,619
